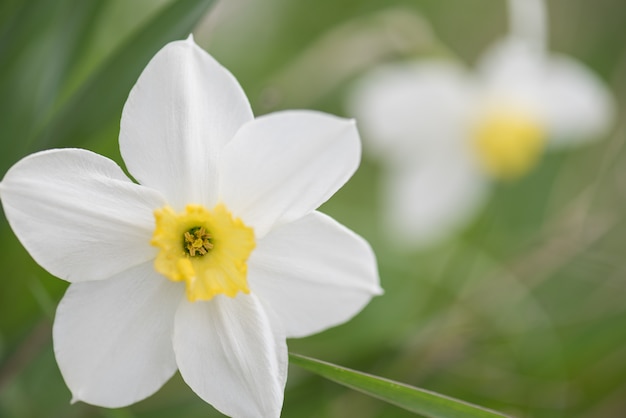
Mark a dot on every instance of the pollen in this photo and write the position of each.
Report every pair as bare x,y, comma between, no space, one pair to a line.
508,142
206,249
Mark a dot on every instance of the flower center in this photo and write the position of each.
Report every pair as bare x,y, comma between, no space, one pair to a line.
508,143
207,249
197,241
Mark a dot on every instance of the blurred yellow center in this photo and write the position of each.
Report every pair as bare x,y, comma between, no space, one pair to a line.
508,143
207,249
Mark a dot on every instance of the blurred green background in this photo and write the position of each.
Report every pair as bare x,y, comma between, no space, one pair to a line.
524,312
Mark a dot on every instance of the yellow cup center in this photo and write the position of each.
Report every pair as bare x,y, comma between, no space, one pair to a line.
207,249
508,143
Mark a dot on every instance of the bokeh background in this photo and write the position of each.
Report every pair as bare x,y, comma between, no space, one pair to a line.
524,311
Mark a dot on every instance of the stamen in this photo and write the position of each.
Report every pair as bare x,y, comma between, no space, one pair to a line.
197,241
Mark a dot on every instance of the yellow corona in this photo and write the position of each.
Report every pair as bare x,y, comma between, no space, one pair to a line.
207,249
508,143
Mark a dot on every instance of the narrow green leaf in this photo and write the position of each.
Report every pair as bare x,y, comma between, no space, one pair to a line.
420,401
98,103
38,47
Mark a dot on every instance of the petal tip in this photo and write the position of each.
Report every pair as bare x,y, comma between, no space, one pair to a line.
348,122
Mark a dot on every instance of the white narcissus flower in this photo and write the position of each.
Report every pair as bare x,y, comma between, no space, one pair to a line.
446,132
211,261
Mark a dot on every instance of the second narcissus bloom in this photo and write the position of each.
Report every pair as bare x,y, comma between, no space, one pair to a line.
445,133
211,261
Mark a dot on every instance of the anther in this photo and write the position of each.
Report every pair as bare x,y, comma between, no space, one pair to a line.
197,241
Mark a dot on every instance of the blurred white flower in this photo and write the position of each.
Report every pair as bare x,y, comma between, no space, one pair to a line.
445,133
210,262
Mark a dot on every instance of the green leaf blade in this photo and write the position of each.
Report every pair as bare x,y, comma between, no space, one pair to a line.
98,102
420,401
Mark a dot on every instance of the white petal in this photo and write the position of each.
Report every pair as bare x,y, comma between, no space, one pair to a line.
510,73
404,109
432,199
228,353
314,273
573,102
78,215
528,21
183,109
113,338
283,165
577,104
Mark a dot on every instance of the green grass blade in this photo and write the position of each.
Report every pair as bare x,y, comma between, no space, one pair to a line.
98,102
420,401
